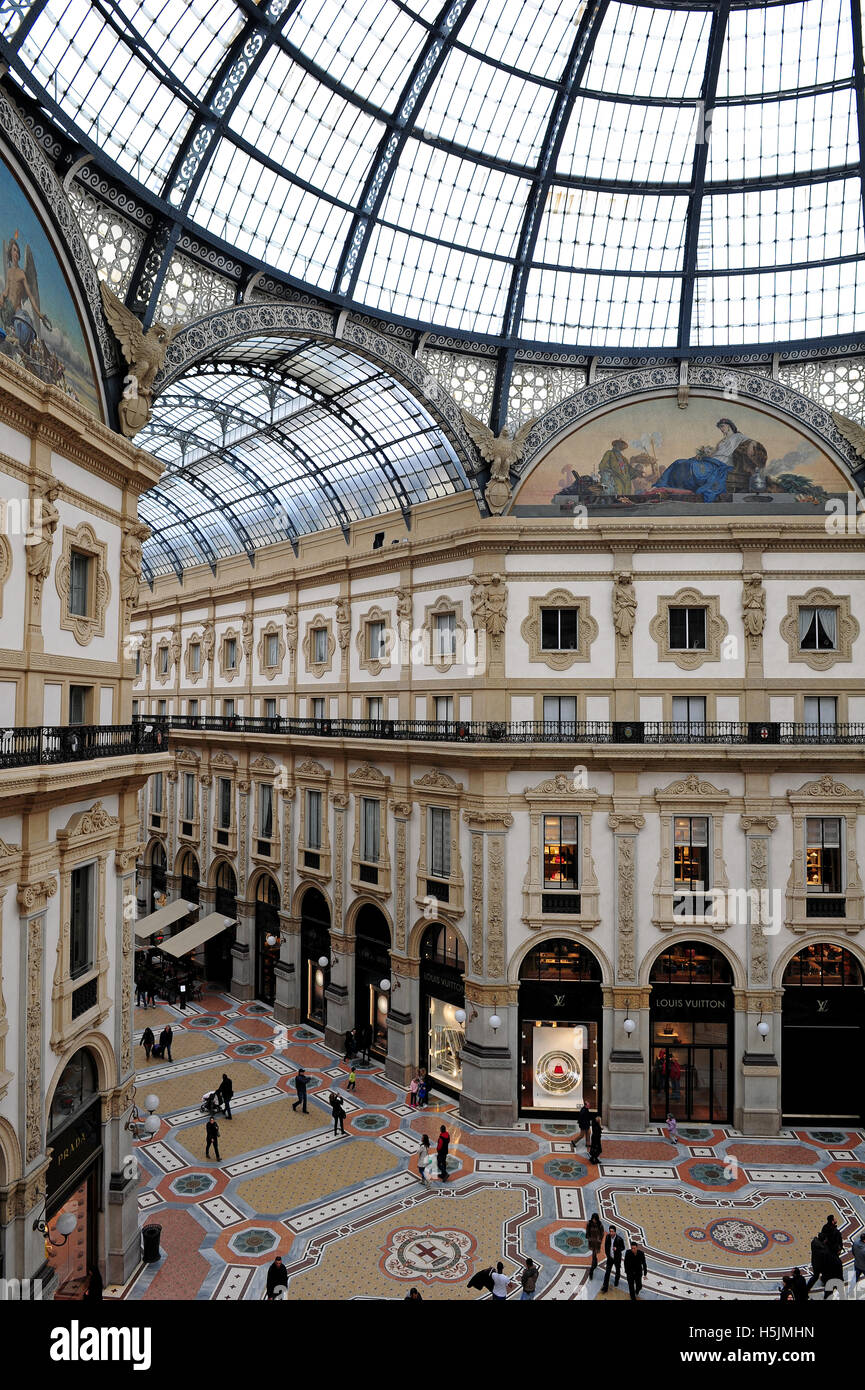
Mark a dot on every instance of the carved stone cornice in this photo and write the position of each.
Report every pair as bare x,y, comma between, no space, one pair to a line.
486,995
33,897
626,820
402,810
689,788
825,788
340,801
437,780
760,821
563,787
87,825
488,820
310,768
367,773
125,859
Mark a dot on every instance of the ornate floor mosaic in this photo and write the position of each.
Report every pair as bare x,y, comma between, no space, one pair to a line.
720,1215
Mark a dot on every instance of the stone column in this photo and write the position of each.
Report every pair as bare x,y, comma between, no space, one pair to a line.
286,1008
626,1082
243,952
402,1013
122,1243
171,846
339,994
757,1089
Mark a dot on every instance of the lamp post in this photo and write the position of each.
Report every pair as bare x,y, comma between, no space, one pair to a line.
629,1025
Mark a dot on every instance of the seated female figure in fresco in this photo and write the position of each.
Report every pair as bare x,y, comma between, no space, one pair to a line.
707,473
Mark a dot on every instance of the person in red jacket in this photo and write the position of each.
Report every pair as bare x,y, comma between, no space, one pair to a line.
442,1153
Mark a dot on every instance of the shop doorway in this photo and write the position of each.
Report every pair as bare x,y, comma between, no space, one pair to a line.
190,875
691,1017
372,965
217,950
442,994
158,877
267,938
823,1038
314,947
73,1179
560,1013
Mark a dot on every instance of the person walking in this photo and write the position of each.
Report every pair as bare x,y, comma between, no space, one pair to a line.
584,1120
832,1236
93,1292
673,1130
501,1283
832,1273
819,1255
350,1045
277,1277
147,1041
413,1089
337,1110
165,1041
676,1078
635,1269
140,992
614,1249
301,1081
798,1285
595,1238
421,1093
529,1280
787,1295
442,1147
858,1248
364,1041
424,1160
212,1131
595,1149
226,1090
352,1079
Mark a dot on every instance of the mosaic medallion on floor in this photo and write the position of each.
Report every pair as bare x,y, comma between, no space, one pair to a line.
428,1253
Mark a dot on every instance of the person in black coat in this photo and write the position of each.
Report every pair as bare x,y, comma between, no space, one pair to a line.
584,1120
595,1149
226,1090
614,1249
301,1081
819,1255
165,1038
337,1110
212,1132
277,1276
832,1236
147,1041
800,1288
635,1269
350,1045
832,1271
93,1293
482,1280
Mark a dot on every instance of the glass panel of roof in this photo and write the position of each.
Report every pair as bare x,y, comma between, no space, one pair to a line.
610,310
762,139
191,40
11,15
781,305
482,107
625,140
784,226
456,200
413,277
114,98
645,52
369,46
612,231
535,36
777,48
424,9
292,119
269,217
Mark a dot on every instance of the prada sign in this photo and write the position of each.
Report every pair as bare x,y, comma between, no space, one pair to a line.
73,1147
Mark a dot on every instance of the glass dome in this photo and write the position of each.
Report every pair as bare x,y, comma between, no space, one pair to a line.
532,174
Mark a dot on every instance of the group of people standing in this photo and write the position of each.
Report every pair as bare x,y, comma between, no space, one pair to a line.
825,1264
591,1130
615,1254
358,1042
425,1158
419,1089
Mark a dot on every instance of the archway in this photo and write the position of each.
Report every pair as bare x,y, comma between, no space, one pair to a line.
158,876
560,1017
314,947
73,1181
442,993
691,1020
217,951
190,876
371,966
823,1037
267,937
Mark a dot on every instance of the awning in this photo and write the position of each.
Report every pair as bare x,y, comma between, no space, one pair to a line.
163,917
197,934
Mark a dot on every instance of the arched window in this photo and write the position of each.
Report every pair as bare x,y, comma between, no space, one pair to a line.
442,944
267,892
693,963
189,866
823,964
157,855
76,1089
226,879
561,961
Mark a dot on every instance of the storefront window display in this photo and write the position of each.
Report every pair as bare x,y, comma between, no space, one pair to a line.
445,1041
560,1010
691,1018
442,990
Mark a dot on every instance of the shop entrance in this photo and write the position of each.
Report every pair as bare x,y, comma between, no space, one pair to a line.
560,1012
267,938
72,1181
372,966
217,951
442,995
314,948
823,1038
158,877
691,1014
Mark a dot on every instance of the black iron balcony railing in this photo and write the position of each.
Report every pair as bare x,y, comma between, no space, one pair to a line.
522,731
28,747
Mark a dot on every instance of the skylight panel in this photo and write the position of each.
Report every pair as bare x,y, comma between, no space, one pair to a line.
784,226
776,306
778,48
623,140
483,108
607,310
367,45
612,231
191,40
535,36
415,278
763,139
646,52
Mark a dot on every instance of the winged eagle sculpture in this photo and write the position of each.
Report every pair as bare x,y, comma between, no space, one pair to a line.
145,354
501,451
852,432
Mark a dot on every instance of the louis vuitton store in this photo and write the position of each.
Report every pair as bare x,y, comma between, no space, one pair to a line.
560,1016
691,1018
823,1038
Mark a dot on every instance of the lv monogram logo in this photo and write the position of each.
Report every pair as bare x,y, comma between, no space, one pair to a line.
560,1000
822,1006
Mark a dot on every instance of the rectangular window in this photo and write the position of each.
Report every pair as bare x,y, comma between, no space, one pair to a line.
443,706
313,820
688,629
192,707
162,708
820,712
818,629
561,852
444,634
138,661
134,709
156,799
163,661
189,796
375,641
228,709
560,709
270,709
81,914
374,708
265,811
318,707
79,704
231,653
823,854
225,803
559,629
79,583
271,649
319,646
439,842
691,854
195,658
690,710
370,830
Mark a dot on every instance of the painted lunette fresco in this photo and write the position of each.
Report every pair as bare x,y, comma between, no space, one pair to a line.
40,327
649,456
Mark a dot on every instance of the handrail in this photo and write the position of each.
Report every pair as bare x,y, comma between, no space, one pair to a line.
38,745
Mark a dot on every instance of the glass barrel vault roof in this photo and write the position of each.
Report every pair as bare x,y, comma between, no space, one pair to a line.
593,175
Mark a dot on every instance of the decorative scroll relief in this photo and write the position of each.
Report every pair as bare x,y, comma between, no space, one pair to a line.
477,946
401,882
33,1039
496,907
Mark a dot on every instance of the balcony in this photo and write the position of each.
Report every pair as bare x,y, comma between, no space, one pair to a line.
620,732
45,745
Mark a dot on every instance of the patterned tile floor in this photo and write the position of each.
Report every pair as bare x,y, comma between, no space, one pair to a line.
721,1216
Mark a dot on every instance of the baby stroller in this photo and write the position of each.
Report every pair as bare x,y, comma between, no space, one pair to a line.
211,1103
